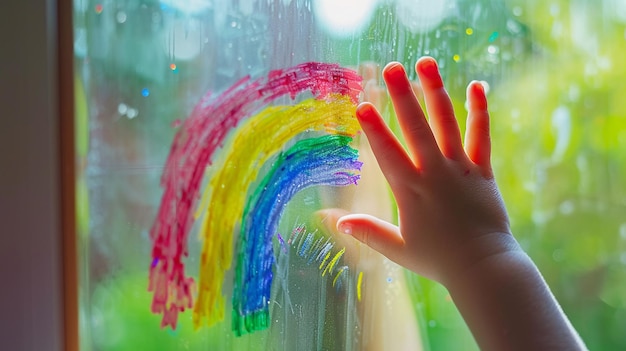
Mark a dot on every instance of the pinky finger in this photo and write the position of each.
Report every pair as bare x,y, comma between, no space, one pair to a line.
477,135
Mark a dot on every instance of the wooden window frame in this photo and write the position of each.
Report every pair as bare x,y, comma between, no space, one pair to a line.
38,252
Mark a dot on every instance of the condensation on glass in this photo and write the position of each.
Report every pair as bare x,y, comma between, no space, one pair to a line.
553,72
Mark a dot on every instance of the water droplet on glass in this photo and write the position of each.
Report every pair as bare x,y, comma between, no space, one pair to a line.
574,92
121,17
622,231
309,200
132,113
555,9
567,207
558,255
122,108
513,26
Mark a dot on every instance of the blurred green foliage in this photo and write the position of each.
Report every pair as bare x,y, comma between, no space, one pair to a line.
559,153
562,167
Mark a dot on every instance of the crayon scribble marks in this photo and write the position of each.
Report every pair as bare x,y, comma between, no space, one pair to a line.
320,252
359,283
283,247
198,144
257,142
326,160
331,265
340,271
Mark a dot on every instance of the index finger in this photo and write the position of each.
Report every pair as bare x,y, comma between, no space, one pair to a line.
391,156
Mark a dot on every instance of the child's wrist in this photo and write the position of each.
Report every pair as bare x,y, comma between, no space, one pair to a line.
478,252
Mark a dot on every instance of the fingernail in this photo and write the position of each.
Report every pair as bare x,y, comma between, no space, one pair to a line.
365,111
479,87
429,68
479,91
345,228
394,68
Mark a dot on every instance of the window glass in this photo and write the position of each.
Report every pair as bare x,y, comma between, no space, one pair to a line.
211,133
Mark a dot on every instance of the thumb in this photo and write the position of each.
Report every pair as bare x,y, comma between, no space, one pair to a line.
381,236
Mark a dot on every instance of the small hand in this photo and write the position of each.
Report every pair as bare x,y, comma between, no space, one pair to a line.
450,211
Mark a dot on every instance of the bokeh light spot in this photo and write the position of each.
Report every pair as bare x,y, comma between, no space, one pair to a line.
344,18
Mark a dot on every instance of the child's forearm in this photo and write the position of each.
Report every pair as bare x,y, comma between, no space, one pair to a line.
508,305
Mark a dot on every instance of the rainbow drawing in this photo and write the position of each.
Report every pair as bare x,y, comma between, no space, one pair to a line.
256,156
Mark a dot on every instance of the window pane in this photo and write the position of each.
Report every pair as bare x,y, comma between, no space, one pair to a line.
211,133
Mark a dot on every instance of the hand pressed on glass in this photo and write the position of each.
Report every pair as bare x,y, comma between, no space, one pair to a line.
453,226
446,196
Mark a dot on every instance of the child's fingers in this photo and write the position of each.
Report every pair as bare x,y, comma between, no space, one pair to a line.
440,112
393,160
415,128
381,236
477,138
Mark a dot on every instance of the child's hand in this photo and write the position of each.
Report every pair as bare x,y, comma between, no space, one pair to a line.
453,224
451,214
